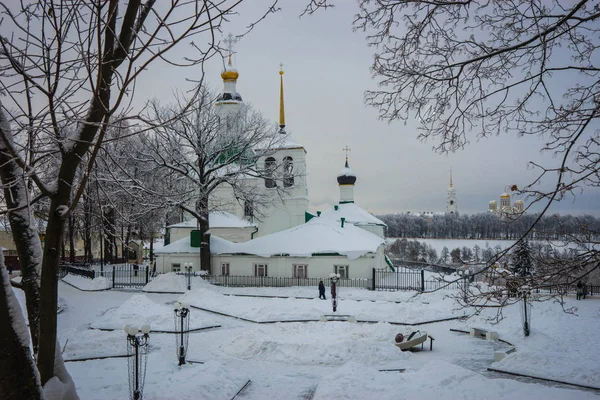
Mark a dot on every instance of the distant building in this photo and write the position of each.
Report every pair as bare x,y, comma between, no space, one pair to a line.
506,207
451,207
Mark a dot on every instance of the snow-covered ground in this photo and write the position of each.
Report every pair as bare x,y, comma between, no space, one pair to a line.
324,360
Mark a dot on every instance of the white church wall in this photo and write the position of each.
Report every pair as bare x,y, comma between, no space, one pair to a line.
317,266
170,262
179,233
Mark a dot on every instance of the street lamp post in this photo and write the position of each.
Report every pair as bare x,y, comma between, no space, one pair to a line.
182,323
465,274
188,272
137,348
526,294
334,278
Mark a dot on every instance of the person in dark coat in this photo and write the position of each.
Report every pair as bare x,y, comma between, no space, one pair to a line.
322,290
9,267
579,290
136,268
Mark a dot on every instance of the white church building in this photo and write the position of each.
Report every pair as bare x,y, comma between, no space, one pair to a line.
286,240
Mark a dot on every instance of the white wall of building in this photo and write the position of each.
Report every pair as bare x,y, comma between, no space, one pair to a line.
281,266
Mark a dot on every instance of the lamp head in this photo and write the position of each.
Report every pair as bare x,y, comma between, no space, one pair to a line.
177,306
145,329
133,330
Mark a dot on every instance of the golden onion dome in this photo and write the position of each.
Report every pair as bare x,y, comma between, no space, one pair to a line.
505,196
229,75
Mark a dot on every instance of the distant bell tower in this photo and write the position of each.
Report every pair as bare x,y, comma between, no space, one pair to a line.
451,198
346,179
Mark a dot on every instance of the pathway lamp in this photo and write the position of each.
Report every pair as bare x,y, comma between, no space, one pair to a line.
188,272
334,278
182,325
137,357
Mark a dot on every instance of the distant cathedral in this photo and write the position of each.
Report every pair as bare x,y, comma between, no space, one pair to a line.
505,206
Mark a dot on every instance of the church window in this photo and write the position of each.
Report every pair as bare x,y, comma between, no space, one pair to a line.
225,269
300,271
260,269
270,165
288,172
175,267
342,270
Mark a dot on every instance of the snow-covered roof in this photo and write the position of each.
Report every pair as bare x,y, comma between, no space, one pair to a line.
286,142
353,214
318,236
289,143
218,219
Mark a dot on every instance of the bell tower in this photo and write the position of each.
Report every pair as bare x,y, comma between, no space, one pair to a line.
451,207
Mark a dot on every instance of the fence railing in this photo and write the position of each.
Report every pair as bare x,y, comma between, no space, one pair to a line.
121,276
437,285
591,290
273,281
400,279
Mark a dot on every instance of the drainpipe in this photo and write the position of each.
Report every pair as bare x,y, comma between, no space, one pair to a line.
252,234
343,219
335,207
318,213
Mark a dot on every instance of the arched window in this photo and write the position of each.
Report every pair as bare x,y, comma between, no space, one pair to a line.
270,165
288,172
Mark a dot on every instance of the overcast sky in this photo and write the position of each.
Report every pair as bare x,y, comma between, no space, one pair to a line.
327,70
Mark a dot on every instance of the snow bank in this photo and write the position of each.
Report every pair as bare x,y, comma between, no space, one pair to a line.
413,310
174,283
318,343
92,343
81,283
435,381
139,310
559,344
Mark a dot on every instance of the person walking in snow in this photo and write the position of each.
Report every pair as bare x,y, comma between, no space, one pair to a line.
579,290
9,267
322,290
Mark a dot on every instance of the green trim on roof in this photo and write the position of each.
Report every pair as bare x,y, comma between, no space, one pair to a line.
347,202
326,254
308,216
389,263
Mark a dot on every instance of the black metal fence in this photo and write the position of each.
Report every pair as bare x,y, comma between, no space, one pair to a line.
122,276
131,275
591,290
438,284
272,281
76,269
400,279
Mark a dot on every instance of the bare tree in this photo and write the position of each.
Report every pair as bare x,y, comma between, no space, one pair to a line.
67,68
193,142
482,68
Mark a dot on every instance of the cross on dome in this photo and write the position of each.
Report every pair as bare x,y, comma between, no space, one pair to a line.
230,41
346,149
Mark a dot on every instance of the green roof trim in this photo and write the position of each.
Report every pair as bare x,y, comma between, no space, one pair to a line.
308,216
347,202
389,263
